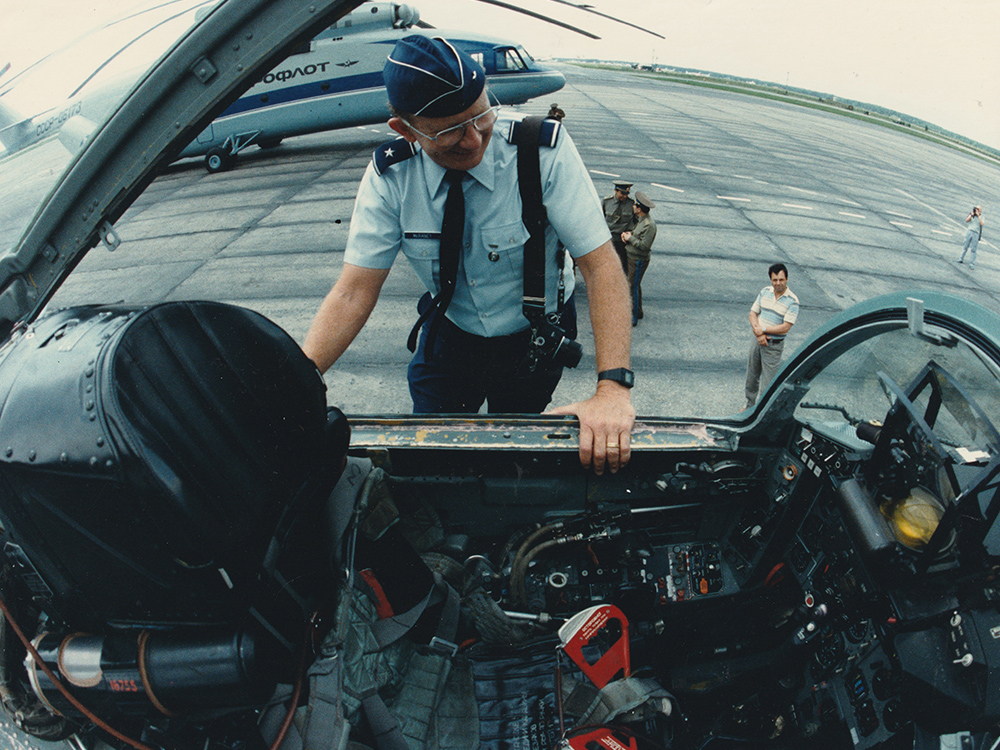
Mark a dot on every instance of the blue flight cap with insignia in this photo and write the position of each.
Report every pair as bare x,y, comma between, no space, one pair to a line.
431,78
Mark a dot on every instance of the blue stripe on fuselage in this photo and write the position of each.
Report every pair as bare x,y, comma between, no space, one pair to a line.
304,91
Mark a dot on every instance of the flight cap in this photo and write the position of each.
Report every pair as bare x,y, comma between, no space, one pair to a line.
644,203
431,77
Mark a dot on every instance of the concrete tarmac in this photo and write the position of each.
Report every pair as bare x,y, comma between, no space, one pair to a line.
853,209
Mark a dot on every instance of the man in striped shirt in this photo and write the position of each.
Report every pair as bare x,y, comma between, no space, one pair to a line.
771,317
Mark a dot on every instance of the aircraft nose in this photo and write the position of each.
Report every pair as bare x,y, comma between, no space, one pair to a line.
550,81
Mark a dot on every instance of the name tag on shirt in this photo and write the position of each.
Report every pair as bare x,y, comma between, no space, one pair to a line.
421,235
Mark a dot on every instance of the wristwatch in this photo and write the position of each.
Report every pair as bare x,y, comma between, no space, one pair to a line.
621,375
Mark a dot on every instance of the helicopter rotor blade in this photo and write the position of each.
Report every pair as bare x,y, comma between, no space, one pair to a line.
588,9
539,16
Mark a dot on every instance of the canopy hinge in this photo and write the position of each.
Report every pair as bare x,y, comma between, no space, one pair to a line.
109,236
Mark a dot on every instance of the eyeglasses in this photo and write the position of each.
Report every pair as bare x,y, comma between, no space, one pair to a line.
450,136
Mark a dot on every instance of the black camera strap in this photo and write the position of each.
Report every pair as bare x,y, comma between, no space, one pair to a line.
547,341
533,214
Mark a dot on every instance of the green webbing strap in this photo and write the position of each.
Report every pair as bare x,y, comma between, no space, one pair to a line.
325,727
385,728
390,629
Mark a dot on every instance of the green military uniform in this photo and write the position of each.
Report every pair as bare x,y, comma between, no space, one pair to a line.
620,218
637,250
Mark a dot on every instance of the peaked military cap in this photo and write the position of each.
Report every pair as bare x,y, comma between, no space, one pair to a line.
623,186
430,77
645,203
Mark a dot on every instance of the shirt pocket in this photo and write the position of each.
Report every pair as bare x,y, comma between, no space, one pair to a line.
423,252
502,248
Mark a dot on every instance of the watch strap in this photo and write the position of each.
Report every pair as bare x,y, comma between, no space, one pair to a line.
621,375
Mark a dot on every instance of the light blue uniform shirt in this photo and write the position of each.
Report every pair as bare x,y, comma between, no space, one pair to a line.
402,210
774,312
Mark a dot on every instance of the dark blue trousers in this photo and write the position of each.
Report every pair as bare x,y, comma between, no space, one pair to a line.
466,370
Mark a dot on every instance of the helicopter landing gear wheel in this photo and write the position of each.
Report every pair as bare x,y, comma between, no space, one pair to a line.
218,160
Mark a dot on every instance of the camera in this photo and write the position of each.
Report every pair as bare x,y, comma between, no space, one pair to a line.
549,340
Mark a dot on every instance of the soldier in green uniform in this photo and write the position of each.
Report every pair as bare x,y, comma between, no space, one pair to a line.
618,213
638,243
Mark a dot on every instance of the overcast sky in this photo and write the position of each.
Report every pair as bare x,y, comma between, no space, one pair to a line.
934,59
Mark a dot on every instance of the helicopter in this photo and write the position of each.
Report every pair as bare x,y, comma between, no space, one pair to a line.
332,81
335,81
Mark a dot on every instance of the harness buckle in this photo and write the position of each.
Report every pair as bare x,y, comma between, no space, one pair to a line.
442,646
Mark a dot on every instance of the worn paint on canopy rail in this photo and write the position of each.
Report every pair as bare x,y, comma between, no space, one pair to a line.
528,433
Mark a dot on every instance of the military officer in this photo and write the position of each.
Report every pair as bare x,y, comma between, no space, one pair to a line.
638,243
473,333
620,218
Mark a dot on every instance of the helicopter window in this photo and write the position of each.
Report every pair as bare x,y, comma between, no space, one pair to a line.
509,60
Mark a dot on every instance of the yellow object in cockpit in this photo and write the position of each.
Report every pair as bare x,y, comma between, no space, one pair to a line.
914,518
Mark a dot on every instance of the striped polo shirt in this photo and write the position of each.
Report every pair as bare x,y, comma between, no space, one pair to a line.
774,312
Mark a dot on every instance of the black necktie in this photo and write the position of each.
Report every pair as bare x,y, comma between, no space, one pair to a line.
452,234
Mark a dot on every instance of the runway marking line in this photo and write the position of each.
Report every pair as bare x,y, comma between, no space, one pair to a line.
798,205
741,177
848,213
901,224
938,231
604,174
803,190
666,187
896,213
929,207
732,198
700,169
